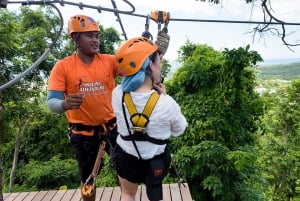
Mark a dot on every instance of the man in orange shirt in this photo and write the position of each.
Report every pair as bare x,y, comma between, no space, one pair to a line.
81,85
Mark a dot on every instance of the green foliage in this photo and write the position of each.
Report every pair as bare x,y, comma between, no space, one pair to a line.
9,42
166,66
50,174
186,51
279,146
210,154
216,93
57,138
241,159
109,38
108,175
201,78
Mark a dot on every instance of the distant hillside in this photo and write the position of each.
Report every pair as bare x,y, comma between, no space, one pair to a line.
286,69
273,61
279,71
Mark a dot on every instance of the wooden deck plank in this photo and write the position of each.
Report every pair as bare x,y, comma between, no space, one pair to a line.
30,196
171,192
68,195
77,195
50,194
185,192
5,195
175,192
21,196
59,194
11,196
107,194
138,194
166,192
99,192
39,196
143,193
116,196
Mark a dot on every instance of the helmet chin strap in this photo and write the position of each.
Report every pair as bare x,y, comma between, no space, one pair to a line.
162,79
75,37
149,73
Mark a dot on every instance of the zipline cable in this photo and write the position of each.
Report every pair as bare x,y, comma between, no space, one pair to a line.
47,51
80,5
116,12
222,21
41,58
131,12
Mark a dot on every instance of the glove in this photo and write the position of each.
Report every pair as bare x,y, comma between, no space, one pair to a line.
162,41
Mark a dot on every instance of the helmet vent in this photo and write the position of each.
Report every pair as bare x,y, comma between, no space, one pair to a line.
132,64
82,23
120,60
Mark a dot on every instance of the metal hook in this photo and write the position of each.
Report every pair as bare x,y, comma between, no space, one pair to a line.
80,5
99,9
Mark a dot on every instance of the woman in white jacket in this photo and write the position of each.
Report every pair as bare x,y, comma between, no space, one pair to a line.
142,152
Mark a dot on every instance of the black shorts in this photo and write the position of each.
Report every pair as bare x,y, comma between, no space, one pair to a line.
136,170
86,150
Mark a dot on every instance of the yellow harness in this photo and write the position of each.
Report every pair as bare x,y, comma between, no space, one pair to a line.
140,120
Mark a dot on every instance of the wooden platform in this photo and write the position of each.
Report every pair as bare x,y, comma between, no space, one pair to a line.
171,192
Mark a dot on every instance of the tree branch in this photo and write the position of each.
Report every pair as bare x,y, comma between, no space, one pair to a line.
268,18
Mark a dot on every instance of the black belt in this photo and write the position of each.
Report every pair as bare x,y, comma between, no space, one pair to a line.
82,127
144,137
101,128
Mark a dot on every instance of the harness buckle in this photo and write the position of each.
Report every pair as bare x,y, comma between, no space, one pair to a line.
138,129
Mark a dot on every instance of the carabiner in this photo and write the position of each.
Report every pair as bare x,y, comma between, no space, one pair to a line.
89,186
146,33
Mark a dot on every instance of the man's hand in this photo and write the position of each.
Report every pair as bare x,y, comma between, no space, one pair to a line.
73,101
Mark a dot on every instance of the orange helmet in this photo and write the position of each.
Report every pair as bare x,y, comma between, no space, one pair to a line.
132,54
82,23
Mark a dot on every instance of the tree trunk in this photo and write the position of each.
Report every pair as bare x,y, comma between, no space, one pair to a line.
1,177
19,137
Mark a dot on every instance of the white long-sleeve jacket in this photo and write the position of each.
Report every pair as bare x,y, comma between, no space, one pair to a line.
166,120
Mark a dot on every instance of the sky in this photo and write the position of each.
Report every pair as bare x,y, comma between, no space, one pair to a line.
216,35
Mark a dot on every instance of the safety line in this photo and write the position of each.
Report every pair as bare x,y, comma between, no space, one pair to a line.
80,5
40,59
116,12
221,21
131,12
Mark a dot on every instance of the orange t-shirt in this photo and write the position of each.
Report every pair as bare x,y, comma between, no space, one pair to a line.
95,81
